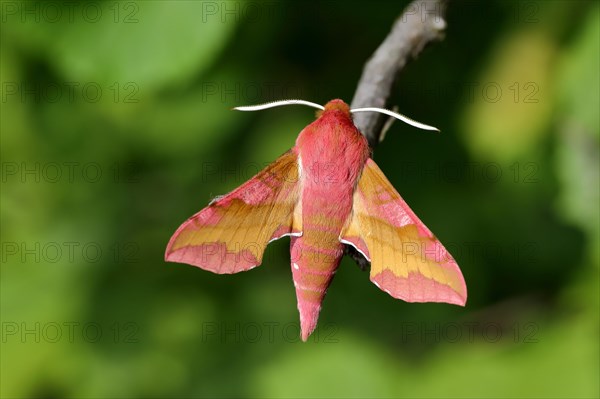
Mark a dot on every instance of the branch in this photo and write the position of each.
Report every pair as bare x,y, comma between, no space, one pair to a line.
421,22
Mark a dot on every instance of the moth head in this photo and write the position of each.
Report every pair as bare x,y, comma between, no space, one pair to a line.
338,105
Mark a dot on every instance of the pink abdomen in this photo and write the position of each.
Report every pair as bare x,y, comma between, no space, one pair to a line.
316,256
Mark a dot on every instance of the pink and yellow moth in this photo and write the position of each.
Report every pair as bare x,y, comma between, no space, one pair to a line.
325,192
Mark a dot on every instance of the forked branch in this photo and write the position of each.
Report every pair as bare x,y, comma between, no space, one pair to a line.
421,22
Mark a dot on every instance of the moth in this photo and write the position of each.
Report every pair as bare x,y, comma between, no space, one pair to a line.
325,193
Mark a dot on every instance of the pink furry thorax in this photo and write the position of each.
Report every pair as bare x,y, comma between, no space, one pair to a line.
332,150
332,153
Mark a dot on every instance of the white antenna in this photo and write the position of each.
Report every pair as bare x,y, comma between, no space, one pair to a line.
278,104
396,115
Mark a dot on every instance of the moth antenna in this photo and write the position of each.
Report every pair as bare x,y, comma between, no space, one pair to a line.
396,115
278,104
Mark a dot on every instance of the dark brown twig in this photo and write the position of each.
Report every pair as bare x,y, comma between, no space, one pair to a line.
419,24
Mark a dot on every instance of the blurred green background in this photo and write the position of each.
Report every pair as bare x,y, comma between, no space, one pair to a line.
116,126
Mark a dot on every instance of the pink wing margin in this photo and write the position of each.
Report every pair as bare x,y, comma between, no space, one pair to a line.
407,260
232,232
